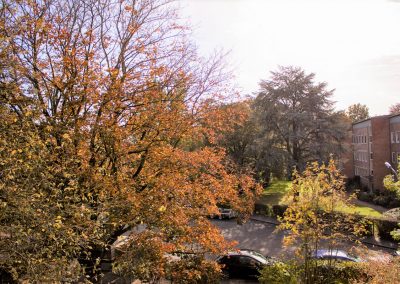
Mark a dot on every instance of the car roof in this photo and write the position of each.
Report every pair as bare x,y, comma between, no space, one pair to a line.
330,252
321,253
246,252
265,260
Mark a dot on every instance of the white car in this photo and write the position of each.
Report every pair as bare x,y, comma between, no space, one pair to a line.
227,213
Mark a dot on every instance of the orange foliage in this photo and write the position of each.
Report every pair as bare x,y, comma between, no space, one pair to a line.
119,107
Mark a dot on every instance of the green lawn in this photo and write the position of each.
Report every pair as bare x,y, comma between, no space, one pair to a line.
362,210
274,194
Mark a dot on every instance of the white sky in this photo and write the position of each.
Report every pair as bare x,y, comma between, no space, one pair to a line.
353,45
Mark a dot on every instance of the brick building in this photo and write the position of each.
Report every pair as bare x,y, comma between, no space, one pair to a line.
394,140
373,143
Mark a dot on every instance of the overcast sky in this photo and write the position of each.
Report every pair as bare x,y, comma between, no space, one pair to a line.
353,45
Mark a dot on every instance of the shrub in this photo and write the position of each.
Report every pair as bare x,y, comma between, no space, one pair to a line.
279,210
382,200
322,273
279,273
386,199
262,209
385,227
365,196
394,203
339,272
382,272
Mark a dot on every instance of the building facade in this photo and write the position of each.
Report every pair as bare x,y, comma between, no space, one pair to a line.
395,140
374,142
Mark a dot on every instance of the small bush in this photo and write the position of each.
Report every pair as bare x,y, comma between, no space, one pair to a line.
279,210
339,272
385,227
262,209
365,196
279,273
382,272
382,200
321,273
394,203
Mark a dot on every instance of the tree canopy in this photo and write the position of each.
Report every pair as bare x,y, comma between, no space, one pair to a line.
297,119
357,112
394,109
102,107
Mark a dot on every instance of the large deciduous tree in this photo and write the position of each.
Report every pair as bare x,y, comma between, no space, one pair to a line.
102,105
357,112
297,119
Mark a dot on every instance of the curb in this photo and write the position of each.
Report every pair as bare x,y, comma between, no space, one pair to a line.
394,247
265,221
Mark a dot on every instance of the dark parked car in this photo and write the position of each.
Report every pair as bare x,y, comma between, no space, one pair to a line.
243,264
335,254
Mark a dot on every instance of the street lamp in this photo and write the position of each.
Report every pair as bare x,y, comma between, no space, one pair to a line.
389,166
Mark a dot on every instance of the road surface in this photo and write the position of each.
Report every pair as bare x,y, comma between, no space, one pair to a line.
264,237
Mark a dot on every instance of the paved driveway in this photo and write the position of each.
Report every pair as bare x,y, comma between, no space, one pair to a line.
255,235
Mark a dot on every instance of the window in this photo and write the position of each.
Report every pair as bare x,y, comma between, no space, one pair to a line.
230,260
393,135
398,137
370,139
247,261
394,157
370,156
363,156
360,171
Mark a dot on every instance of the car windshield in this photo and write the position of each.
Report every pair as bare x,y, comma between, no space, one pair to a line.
258,256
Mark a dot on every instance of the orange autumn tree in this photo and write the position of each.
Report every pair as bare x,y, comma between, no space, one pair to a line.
104,107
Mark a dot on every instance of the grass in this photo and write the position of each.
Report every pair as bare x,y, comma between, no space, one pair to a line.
362,210
274,194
